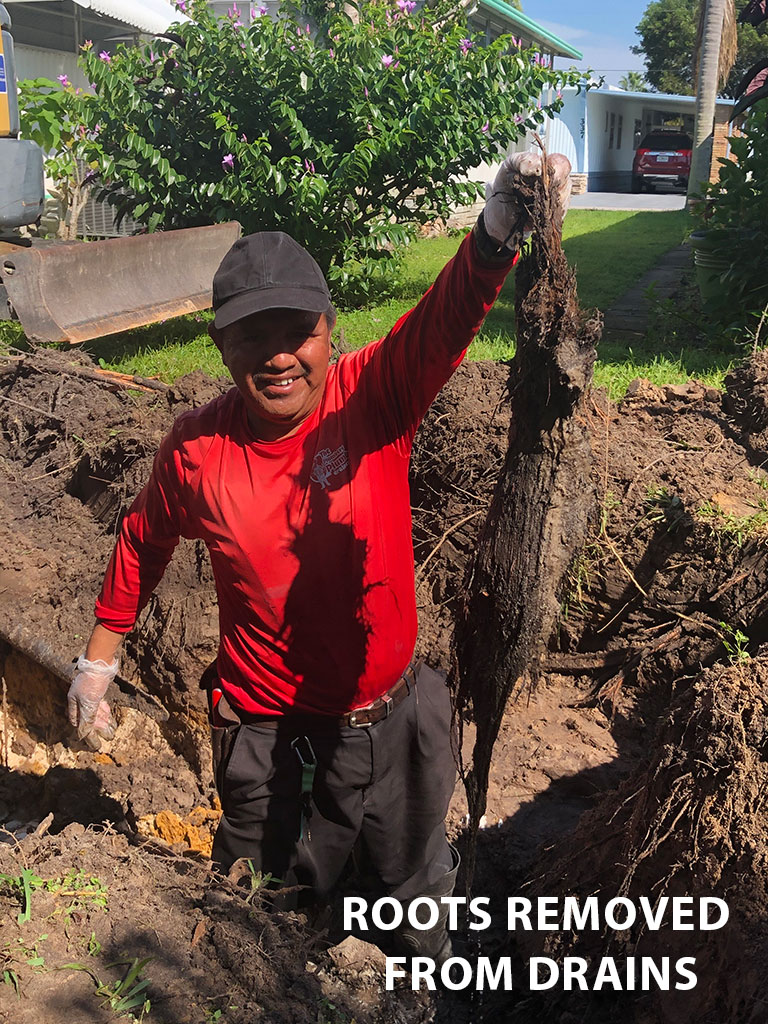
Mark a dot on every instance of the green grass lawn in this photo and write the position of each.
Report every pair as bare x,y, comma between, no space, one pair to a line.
609,249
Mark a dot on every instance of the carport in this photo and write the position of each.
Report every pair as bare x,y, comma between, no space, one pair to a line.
600,129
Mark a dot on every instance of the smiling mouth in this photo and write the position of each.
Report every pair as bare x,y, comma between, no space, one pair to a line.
284,382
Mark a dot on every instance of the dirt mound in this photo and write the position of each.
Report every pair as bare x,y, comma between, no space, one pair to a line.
674,563
74,451
95,928
672,578
693,823
747,391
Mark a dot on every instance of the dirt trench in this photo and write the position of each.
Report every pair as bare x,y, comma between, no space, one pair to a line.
671,582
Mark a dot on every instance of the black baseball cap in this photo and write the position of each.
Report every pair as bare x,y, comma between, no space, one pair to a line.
267,270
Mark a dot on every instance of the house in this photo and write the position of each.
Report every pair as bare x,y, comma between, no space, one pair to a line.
599,131
492,18
48,34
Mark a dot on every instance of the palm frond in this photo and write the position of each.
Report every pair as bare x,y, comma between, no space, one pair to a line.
729,41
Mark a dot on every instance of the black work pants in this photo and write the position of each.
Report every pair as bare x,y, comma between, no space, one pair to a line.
389,784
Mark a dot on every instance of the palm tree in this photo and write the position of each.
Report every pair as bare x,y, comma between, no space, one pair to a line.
633,81
715,56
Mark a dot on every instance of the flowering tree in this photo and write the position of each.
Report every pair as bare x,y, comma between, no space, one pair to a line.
51,115
343,132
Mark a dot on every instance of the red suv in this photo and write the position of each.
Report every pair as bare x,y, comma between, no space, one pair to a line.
664,155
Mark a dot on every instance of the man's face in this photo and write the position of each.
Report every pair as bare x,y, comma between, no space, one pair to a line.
279,360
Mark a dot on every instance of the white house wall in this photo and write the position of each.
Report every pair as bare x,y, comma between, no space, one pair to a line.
35,62
567,133
611,140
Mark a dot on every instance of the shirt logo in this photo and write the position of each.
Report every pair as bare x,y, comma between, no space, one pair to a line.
327,464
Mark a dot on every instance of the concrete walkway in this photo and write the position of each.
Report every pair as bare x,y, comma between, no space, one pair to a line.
629,314
627,201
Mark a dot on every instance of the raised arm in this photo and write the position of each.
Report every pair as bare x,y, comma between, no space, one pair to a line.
426,345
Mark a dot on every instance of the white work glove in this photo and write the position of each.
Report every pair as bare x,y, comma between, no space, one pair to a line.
88,711
505,216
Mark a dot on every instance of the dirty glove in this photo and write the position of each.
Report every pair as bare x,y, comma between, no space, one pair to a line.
88,711
505,216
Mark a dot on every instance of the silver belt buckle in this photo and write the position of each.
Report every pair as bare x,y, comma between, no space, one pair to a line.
388,703
354,722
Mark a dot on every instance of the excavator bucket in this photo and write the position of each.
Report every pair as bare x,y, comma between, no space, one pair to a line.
74,291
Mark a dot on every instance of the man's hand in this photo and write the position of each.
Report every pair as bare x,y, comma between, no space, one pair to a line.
88,711
505,214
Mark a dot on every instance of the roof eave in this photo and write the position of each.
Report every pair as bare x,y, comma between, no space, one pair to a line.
522,22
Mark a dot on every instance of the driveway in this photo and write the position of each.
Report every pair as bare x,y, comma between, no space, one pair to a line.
659,200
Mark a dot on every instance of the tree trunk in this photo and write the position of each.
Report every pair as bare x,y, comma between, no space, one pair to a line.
706,93
539,513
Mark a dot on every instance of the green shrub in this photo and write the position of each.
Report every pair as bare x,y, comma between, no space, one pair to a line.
344,133
736,219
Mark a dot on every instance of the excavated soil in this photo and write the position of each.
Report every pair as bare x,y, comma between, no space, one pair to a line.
669,589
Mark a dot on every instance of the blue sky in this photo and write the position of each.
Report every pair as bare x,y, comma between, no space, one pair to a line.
603,30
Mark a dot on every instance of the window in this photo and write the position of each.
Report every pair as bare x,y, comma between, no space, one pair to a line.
618,135
613,129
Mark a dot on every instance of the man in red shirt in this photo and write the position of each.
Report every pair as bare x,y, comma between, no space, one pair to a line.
297,481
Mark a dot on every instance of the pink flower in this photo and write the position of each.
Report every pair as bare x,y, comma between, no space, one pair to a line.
228,162
105,57
87,44
307,29
64,81
236,26
330,53
485,127
387,60
365,90
465,46
310,166
181,5
407,6
291,47
243,137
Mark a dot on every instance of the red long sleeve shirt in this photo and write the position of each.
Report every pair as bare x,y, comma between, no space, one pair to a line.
310,535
